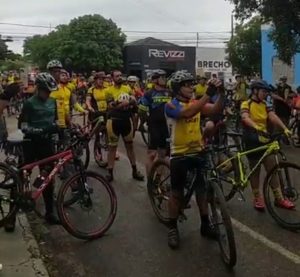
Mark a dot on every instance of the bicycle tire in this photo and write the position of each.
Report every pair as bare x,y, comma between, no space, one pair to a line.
145,137
86,162
218,202
151,188
293,128
98,150
14,188
92,234
281,221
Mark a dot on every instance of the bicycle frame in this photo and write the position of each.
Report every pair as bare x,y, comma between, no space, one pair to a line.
62,158
269,148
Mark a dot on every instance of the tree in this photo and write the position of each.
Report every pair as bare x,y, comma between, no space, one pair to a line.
285,17
86,43
3,49
244,48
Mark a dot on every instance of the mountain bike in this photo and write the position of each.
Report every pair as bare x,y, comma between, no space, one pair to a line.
85,192
287,173
159,189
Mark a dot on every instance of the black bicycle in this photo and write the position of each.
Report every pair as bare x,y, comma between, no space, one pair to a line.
159,189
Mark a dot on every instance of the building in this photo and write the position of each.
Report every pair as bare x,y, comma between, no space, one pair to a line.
211,61
151,53
272,67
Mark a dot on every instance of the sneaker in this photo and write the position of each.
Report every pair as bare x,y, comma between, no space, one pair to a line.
138,175
173,238
208,231
52,219
259,204
284,204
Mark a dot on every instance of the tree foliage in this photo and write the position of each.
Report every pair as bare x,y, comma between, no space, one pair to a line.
3,49
86,43
285,17
244,48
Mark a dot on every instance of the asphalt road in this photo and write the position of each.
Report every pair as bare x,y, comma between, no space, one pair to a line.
136,244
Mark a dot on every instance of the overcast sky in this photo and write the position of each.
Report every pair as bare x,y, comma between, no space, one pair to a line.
129,15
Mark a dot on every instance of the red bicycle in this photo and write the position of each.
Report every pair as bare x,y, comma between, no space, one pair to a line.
86,202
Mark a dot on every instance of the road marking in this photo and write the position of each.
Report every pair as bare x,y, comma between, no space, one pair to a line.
255,235
272,245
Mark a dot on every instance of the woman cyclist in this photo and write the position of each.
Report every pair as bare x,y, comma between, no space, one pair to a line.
256,113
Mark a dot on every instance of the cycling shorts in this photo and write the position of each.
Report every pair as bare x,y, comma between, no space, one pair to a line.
180,166
251,140
158,135
119,127
94,116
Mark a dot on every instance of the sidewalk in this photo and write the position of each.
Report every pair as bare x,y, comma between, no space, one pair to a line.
19,252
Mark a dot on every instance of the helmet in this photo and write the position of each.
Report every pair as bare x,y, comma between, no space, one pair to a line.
157,73
123,97
181,76
45,81
132,79
53,64
261,84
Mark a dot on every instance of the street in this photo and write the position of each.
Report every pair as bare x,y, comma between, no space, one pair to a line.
136,244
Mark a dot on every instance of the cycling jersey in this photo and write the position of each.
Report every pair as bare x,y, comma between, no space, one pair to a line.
200,90
258,112
113,94
185,133
99,95
240,92
154,101
71,86
38,113
62,96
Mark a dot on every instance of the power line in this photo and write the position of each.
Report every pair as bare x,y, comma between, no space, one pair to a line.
24,25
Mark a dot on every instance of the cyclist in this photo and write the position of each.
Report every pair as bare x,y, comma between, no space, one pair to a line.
96,100
121,108
132,82
154,101
256,112
8,93
39,113
183,117
201,87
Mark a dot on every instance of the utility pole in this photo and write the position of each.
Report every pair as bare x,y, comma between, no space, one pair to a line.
197,43
232,27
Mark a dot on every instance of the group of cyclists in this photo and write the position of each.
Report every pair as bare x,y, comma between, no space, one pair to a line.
181,112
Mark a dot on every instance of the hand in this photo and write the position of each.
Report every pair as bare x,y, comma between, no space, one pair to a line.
214,86
288,133
91,110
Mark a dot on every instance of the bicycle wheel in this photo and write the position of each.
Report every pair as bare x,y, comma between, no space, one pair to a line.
159,189
294,128
9,187
288,176
222,222
100,150
93,209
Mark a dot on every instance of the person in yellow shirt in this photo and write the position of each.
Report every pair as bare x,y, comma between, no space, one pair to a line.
240,90
201,87
64,98
256,114
121,108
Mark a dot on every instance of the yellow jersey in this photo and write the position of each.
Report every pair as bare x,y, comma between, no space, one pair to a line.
63,97
240,92
185,133
200,90
100,96
114,92
258,112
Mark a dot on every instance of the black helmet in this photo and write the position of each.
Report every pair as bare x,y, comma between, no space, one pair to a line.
261,84
45,81
157,73
181,76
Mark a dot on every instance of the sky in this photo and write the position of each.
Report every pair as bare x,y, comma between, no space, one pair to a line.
130,15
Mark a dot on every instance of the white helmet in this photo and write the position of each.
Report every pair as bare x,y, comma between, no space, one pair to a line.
123,97
132,79
54,64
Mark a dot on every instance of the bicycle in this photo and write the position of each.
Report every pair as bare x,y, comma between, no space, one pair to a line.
293,126
159,189
78,193
240,180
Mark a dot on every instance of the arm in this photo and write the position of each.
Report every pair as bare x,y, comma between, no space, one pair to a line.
75,104
247,120
210,109
274,119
